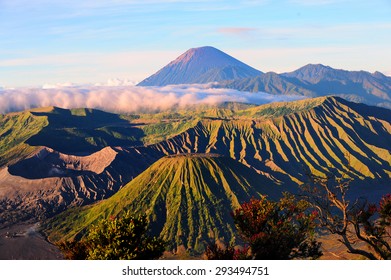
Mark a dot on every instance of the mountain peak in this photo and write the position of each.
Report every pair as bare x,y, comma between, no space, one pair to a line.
201,65
315,69
210,55
313,73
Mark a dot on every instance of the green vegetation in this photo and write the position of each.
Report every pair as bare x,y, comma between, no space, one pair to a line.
15,130
186,197
279,109
163,130
187,200
123,238
88,130
85,130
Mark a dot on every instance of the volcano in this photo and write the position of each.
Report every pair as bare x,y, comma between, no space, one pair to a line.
200,66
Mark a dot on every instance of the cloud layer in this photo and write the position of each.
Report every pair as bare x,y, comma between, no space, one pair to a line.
129,99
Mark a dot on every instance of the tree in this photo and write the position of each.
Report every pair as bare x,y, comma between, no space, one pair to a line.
277,230
121,238
358,221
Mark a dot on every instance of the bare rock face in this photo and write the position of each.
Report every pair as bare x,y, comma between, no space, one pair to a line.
48,182
49,163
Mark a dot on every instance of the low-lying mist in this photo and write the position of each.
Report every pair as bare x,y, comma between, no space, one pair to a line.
129,99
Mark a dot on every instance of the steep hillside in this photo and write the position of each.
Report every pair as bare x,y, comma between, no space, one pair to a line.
280,141
15,130
187,198
200,66
284,140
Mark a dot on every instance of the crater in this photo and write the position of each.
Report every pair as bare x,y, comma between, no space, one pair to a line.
48,163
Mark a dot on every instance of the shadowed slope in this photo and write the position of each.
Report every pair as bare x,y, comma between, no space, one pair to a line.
84,131
187,198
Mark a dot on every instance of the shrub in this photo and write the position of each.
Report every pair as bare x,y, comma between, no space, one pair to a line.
275,230
121,238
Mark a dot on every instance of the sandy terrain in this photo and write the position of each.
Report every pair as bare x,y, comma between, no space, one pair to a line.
26,244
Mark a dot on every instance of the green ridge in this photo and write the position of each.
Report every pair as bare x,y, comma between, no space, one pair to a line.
187,199
15,130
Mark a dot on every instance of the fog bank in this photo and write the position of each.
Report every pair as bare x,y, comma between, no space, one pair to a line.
128,99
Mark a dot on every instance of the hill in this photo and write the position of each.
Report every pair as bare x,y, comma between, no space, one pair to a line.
187,199
199,66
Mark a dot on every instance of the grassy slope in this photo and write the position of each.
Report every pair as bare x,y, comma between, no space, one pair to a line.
15,130
188,200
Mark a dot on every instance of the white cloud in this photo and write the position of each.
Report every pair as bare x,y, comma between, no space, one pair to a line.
128,99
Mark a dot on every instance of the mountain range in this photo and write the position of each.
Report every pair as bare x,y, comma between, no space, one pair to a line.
208,65
239,150
187,169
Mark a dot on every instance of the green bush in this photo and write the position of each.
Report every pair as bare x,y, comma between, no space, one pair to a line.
123,238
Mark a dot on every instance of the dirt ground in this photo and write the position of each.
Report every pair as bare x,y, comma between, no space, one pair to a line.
24,242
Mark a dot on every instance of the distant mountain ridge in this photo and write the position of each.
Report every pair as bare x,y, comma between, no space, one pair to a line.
315,80
199,66
207,64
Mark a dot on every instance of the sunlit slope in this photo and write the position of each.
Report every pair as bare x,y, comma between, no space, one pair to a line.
287,139
15,130
187,198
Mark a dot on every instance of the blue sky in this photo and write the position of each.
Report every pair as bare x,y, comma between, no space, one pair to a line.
90,41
